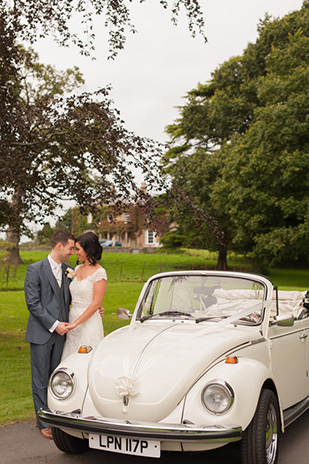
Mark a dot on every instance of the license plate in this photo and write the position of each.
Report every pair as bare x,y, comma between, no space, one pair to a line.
125,445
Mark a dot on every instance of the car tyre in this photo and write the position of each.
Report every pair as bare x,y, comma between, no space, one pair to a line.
260,442
67,443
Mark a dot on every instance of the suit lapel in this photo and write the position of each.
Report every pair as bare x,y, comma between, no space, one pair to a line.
65,282
50,277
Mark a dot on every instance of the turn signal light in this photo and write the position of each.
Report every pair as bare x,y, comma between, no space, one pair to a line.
231,360
84,349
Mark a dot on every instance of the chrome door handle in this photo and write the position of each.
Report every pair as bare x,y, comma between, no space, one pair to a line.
303,337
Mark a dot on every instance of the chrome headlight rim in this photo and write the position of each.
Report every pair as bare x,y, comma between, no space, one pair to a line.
226,389
70,378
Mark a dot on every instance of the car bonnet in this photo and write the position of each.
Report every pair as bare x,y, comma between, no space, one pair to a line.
144,373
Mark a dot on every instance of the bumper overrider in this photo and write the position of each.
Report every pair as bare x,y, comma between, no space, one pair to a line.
185,433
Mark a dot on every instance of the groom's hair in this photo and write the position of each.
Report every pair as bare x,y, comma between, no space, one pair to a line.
62,236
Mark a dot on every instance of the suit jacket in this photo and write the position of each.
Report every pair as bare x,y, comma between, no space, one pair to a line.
43,300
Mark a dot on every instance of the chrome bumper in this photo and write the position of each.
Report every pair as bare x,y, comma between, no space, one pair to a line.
185,433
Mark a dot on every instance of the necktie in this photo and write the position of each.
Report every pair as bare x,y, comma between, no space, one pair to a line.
59,274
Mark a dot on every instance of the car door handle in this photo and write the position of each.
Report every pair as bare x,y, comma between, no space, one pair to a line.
303,337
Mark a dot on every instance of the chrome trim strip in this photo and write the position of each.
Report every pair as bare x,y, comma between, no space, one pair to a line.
259,340
185,433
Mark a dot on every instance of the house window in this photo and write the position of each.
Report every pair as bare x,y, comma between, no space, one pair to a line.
150,237
126,218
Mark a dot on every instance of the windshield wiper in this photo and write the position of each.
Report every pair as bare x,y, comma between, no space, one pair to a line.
166,313
208,318
175,313
144,318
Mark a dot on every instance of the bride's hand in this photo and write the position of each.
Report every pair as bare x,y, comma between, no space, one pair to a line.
71,326
62,328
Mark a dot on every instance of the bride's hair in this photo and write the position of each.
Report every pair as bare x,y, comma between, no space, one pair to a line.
91,245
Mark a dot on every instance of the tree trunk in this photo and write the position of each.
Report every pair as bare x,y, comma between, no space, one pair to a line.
222,259
13,256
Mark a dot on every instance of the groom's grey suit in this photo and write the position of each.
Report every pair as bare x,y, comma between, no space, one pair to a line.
47,303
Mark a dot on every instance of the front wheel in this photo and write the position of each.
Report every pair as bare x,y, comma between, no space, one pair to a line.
260,442
67,443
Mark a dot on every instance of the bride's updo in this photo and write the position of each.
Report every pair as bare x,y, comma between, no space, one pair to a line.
91,246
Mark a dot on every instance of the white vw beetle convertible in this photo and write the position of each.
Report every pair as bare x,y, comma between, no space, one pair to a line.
209,358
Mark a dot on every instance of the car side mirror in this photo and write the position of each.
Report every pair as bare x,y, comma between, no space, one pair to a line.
123,313
284,320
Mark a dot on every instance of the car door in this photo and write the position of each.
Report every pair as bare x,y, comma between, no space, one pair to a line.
306,340
289,361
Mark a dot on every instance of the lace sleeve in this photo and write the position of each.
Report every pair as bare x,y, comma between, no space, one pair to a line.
100,274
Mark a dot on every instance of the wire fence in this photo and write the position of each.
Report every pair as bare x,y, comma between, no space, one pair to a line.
12,276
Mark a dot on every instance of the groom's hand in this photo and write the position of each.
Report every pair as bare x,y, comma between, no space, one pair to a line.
62,328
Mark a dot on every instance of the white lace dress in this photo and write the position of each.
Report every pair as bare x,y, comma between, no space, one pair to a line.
89,332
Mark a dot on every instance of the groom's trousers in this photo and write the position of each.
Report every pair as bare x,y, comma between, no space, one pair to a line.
44,359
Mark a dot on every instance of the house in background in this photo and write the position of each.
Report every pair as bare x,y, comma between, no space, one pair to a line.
129,229
125,231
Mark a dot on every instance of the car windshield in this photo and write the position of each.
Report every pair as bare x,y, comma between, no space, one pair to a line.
203,298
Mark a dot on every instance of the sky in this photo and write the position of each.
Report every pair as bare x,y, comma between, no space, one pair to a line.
162,62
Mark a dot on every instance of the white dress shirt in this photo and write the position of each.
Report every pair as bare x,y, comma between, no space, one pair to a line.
55,269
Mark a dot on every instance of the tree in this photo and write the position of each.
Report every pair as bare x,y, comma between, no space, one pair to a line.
40,18
55,147
44,235
199,223
217,127
267,169
214,113
31,92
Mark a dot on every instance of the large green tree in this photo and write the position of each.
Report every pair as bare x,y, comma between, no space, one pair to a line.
266,170
218,127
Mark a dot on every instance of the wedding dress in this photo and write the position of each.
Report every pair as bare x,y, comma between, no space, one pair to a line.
89,332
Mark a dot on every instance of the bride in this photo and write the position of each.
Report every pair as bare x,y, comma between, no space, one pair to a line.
87,290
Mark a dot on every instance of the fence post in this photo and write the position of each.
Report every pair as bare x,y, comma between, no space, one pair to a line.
143,270
7,275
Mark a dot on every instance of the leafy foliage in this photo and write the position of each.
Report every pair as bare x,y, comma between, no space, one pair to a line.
240,146
55,147
40,18
268,195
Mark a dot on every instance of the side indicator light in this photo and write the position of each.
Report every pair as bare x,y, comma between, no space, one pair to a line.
84,349
231,360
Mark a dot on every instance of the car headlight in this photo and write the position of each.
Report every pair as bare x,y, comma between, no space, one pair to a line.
217,397
61,383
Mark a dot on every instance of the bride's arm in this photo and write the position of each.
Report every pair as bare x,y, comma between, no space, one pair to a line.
99,290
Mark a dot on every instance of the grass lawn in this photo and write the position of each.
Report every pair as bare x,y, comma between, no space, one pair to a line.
126,276
125,267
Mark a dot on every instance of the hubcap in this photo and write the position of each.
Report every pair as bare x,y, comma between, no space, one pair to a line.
271,434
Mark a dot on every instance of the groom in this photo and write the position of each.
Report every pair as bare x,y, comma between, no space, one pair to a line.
48,300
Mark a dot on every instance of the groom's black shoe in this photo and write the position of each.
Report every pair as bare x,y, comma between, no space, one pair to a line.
46,433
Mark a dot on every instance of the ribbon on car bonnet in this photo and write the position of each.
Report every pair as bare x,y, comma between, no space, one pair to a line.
125,387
